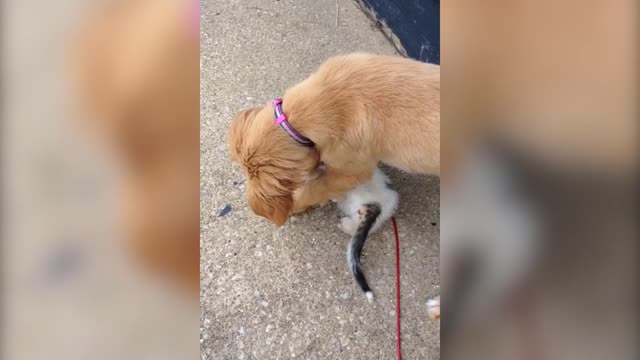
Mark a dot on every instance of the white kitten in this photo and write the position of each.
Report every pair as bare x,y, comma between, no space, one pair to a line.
365,209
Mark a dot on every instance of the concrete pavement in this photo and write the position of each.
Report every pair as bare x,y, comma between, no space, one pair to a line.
269,293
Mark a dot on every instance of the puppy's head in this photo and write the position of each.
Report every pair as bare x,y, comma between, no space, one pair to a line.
275,165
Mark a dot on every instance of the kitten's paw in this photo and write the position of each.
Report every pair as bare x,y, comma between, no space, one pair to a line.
433,308
362,211
347,225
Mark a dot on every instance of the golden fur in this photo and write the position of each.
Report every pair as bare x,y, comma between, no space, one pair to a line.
359,109
136,74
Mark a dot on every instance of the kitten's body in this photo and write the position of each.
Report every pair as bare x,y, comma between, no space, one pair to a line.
364,211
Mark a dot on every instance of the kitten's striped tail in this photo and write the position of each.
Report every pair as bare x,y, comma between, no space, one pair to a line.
368,215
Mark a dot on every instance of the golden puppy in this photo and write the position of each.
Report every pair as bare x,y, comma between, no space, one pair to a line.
358,110
136,74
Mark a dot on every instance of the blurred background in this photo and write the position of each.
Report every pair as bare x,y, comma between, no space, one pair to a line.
539,186
71,287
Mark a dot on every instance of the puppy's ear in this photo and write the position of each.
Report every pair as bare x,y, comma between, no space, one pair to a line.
238,130
276,209
282,206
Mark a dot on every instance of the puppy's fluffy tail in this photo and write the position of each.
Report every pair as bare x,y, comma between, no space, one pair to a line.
369,215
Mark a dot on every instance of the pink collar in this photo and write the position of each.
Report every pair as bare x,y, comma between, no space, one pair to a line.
281,119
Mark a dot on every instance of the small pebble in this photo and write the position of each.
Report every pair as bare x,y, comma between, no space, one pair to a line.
225,211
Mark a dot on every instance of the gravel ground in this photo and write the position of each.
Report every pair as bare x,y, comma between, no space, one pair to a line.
269,293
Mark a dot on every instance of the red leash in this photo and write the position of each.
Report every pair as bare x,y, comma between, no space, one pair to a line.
398,342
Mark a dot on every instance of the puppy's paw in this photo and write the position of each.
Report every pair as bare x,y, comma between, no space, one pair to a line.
322,168
319,171
433,308
297,211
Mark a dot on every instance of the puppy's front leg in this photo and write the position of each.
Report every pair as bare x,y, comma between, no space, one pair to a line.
329,186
